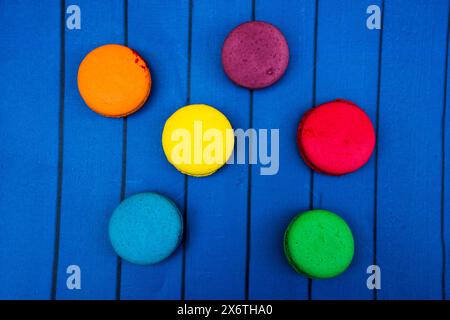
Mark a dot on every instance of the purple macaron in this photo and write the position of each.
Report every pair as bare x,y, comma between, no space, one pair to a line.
255,55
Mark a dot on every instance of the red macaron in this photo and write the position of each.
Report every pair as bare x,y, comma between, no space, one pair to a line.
336,138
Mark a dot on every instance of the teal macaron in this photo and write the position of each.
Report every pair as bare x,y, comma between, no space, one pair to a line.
145,228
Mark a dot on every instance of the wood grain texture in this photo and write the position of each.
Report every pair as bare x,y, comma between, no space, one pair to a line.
445,196
276,199
30,87
217,205
347,68
233,247
91,165
409,168
159,32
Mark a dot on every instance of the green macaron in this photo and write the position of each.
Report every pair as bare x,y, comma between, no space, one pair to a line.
319,244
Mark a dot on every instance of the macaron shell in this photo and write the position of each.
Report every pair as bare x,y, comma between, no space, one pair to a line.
114,80
145,228
302,153
336,138
255,55
319,244
184,119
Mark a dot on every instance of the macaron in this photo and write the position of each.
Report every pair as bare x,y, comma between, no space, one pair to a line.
114,80
255,55
145,228
319,244
336,138
198,140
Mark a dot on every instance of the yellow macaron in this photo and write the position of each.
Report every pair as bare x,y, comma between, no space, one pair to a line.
114,80
198,140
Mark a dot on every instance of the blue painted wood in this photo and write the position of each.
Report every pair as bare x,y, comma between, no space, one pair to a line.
92,163
29,105
409,249
217,205
276,199
159,32
347,68
445,210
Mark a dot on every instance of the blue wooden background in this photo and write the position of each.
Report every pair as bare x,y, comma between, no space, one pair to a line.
63,169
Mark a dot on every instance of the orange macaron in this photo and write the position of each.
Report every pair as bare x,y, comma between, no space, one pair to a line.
114,80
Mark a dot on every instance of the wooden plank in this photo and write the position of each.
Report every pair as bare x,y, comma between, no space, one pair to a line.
445,210
409,250
92,163
217,205
30,82
276,199
159,32
347,68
